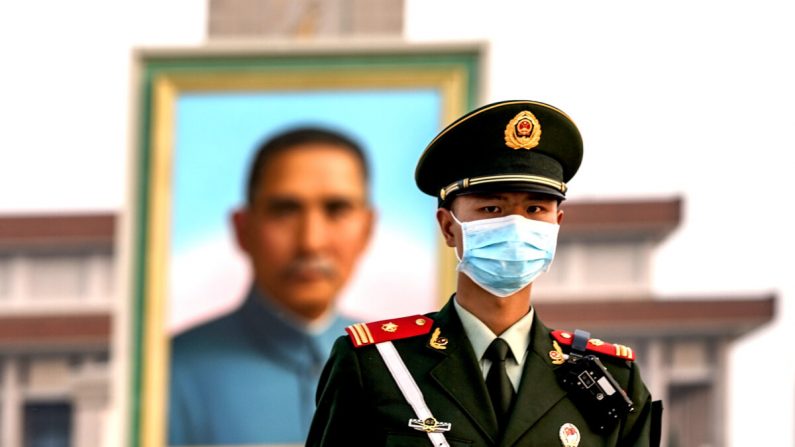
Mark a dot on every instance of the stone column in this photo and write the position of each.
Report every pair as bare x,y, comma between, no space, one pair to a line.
720,388
657,377
90,400
10,413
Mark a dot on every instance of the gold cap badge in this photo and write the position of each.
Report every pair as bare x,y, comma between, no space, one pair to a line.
523,131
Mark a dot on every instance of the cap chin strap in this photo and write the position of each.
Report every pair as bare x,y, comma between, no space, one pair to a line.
473,181
409,388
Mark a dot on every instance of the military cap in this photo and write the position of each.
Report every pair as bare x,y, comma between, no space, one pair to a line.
506,146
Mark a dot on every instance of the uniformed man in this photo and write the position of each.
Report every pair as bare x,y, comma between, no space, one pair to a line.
484,370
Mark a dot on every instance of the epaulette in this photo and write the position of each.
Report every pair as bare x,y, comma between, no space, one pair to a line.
596,345
363,334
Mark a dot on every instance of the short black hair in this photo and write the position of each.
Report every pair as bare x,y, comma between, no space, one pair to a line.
296,137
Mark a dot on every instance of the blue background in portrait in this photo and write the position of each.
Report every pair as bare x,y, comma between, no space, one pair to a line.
217,133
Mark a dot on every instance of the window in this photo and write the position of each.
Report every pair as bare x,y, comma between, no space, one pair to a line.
48,424
102,274
688,410
614,264
5,277
58,276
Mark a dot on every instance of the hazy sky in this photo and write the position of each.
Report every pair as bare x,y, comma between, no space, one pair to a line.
674,98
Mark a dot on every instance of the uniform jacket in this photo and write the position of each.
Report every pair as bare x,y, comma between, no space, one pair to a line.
359,403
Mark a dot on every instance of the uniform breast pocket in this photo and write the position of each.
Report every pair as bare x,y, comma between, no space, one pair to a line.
418,440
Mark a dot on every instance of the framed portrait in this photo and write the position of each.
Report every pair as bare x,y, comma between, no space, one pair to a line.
200,115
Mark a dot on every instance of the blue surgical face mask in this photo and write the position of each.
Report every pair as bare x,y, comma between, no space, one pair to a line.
505,254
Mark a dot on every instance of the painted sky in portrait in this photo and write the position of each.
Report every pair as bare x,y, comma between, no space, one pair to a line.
216,135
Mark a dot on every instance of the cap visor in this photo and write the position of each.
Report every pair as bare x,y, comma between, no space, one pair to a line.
508,187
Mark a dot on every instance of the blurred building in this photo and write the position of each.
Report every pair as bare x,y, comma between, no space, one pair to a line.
56,297
57,292
235,19
601,281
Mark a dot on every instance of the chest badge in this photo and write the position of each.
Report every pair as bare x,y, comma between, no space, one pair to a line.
569,435
429,425
557,354
437,341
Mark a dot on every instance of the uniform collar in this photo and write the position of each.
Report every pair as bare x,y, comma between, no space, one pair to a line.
480,336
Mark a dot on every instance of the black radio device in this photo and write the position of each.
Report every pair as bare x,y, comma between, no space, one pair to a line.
592,388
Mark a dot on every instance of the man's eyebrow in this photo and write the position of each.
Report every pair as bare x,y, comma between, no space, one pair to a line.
349,199
279,199
354,199
487,196
280,202
534,197
289,201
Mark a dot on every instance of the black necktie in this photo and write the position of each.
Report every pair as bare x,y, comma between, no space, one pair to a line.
497,382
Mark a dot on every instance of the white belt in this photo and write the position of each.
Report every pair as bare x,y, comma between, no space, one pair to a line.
409,388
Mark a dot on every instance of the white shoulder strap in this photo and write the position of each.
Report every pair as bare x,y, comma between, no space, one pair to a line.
408,387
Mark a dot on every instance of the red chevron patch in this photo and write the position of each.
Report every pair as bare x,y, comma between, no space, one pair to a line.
597,345
363,334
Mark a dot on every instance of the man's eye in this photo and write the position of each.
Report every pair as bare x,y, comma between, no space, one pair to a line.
532,209
490,209
338,208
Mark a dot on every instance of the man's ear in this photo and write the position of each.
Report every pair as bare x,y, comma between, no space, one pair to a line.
240,222
560,215
445,219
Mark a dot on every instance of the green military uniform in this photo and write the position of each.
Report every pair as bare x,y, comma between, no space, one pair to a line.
359,403
513,146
